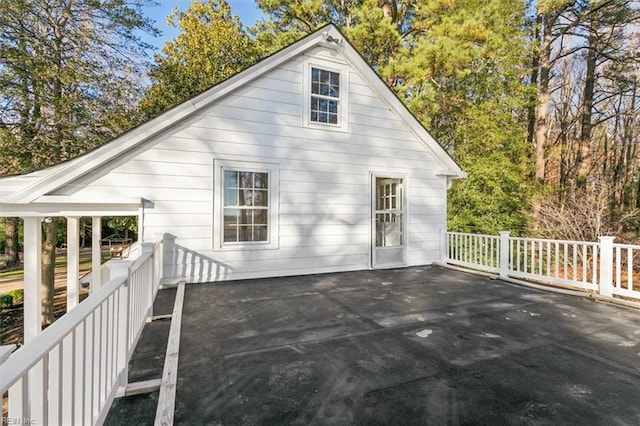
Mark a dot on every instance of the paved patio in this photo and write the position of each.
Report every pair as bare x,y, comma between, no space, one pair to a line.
424,345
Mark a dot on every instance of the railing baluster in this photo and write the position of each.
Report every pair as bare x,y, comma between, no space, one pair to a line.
98,348
39,404
89,370
79,364
56,392
629,269
556,268
19,398
594,273
575,262
68,378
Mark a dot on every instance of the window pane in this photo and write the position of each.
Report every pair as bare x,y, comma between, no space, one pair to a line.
230,179
245,216
261,180
260,198
260,233
335,79
323,105
230,225
245,197
260,217
389,230
230,191
230,216
230,197
244,233
246,179
230,234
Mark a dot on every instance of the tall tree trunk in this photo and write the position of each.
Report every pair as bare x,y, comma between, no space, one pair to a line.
11,253
633,149
56,155
542,104
48,269
535,67
583,162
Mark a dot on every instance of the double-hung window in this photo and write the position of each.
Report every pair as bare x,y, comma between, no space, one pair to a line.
245,203
325,96
326,90
246,206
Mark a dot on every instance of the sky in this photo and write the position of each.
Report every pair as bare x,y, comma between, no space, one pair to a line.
247,10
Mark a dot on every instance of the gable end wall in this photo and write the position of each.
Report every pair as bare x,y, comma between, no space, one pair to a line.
324,183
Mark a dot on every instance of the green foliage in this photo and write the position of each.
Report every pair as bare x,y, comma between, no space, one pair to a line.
461,67
6,301
17,295
125,226
69,77
211,47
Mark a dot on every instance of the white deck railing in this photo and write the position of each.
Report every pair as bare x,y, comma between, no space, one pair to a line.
70,373
604,267
626,270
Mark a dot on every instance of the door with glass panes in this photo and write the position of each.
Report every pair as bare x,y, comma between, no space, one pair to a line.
389,222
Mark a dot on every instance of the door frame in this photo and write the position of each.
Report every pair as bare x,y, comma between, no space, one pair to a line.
372,212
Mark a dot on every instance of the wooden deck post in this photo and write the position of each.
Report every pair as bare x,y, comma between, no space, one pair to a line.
444,253
32,277
96,253
73,262
605,283
504,253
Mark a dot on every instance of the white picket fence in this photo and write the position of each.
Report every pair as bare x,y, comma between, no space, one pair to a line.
70,373
604,267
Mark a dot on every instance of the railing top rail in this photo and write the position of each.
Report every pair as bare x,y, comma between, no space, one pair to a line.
28,355
549,240
472,235
626,246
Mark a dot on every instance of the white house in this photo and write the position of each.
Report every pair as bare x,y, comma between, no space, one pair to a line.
304,163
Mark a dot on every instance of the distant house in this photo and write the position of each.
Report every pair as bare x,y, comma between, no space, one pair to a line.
304,163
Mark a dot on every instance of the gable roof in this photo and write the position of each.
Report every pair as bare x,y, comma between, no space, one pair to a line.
329,36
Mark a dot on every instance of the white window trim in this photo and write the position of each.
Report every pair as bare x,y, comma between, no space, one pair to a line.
218,205
343,100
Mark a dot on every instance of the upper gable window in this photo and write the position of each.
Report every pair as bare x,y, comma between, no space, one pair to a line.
325,96
326,90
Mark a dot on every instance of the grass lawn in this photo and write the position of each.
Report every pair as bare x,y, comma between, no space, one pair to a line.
61,266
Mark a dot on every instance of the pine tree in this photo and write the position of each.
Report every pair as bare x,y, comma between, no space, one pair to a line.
69,77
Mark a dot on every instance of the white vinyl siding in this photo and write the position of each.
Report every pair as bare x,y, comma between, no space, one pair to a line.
320,220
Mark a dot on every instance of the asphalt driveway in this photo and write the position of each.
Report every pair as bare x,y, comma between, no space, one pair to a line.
424,345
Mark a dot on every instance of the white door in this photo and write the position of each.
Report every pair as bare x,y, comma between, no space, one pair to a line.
388,222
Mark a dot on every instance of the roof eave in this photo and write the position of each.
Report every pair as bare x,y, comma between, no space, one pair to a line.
94,159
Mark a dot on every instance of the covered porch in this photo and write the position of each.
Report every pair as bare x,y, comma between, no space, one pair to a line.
33,215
